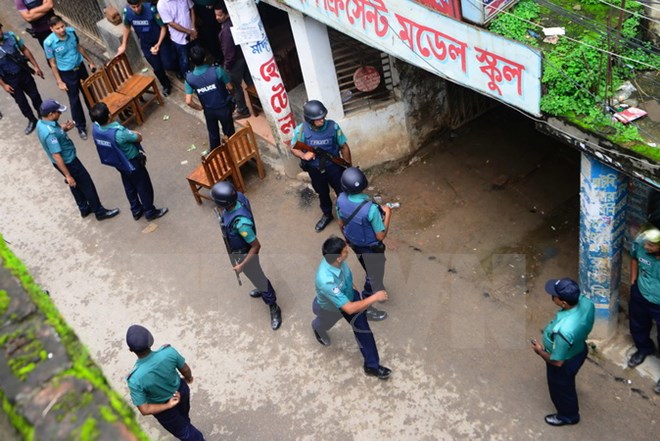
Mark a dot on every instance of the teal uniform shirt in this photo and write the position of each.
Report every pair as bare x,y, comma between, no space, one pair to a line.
54,139
156,16
66,54
126,139
243,225
220,74
374,217
565,336
155,378
334,286
298,134
648,274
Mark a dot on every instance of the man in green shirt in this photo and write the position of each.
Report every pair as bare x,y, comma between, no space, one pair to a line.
564,347
156,387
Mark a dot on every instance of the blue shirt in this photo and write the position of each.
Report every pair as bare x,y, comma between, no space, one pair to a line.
220,74
334,286
154,378
66,54
54,139
298,134
126,139
566,335
374,217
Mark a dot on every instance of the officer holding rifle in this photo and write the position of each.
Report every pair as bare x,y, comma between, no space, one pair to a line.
240,235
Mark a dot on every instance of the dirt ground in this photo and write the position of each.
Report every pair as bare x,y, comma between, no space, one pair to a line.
485,212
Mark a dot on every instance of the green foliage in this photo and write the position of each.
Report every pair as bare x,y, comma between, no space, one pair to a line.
87,432
4,301
514,27
16,419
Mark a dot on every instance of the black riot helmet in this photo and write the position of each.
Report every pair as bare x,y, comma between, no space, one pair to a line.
353,181
314,110
224,194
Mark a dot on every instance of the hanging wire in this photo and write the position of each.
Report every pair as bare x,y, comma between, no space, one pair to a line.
647,3
630,12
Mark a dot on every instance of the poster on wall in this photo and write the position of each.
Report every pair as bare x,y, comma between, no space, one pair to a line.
450,8
482,11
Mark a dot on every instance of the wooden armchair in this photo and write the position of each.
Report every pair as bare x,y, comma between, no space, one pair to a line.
124,81
216,166
243,147
97,88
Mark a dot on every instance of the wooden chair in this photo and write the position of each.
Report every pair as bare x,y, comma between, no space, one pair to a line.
97,88
124,81
216,166
243,147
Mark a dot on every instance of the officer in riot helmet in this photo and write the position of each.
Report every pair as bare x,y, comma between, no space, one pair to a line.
324,153
240,235
364,225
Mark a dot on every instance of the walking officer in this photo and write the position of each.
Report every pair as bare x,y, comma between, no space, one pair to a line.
154,40
364,225
16,76
240,235
213,87
327,142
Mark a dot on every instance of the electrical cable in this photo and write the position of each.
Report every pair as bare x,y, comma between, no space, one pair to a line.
630,12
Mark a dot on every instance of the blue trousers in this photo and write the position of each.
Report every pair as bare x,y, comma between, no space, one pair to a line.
24,87
326,319
176,420
255,273
213,116
373,263
642,314
561,384
84,192
72,79
321,183
182,51
138,188
160,62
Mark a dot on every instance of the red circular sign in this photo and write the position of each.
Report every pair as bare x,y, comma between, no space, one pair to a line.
366,78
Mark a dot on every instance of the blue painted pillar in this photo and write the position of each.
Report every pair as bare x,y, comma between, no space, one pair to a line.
603,193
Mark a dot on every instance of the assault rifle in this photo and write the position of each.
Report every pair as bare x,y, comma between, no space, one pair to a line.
321,153
223,229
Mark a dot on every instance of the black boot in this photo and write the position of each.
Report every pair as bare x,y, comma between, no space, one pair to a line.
275,316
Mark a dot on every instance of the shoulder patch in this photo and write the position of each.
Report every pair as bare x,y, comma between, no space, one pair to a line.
335,290
244,233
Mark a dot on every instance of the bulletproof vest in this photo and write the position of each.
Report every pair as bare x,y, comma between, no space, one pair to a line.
109,152
321,139
31,4
9,55
145,27
211,92
359,230
236,241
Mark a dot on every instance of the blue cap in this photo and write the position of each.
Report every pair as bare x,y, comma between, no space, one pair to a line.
49,106
138,338
566,289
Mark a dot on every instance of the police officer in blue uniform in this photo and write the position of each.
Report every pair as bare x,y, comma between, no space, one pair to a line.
16,76
65,56
336,297
121,149
62,153
154,40
213,87
364,225
242,241
326,135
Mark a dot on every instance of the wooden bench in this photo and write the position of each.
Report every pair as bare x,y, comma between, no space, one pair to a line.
216,166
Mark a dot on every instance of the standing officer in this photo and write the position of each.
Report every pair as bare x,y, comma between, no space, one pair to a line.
37,13
154,41
564,348
364,228
241,240
131,162
213,87
234,62
16,76
336,296
156,387
208,28
325,136
62,153
65,55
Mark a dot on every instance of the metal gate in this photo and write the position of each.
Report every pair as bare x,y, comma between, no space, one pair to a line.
82,15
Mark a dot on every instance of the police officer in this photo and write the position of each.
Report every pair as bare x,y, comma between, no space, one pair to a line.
16,76
156,387
564,348
132,162
65,56
364,225
37,13
336,297
154,40
242,240
62,153
213,87
325,135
